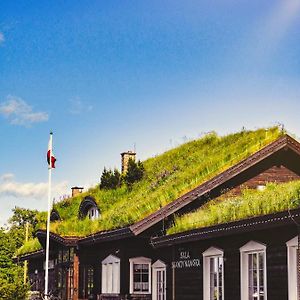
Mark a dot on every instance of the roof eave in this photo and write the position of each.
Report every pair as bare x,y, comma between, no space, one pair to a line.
65,241
30,255
236,227
106,236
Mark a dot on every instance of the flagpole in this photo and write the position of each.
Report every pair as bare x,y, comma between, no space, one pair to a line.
48,219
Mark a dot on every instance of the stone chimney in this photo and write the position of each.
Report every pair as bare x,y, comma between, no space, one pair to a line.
76,190
125,156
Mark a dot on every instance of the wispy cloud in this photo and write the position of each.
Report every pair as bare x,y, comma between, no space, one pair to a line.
10,187
273,28
18,112
7,177
2,38
77,106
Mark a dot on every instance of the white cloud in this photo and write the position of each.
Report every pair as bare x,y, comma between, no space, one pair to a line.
77,106
18,112
10,187
7,177
2,39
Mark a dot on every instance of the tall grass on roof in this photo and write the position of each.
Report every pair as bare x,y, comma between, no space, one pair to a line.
274,198
167,177
30,246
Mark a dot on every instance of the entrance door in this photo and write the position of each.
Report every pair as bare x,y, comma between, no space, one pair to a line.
159,281
65,284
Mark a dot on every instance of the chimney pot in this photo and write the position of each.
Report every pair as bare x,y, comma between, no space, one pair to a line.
76,190
125,156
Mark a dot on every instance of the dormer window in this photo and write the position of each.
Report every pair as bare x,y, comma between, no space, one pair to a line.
54,216
261,187
89,208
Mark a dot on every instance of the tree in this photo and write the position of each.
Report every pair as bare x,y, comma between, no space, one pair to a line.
11,275
110,179
23,215
135,172
12,238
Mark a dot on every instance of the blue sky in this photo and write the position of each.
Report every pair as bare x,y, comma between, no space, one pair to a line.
105,75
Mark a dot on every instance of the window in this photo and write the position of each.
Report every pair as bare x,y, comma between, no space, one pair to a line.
140,275
213,274
90,280
65,255
292,247
86,281
111,275
93,213
159,281
253,271
89,208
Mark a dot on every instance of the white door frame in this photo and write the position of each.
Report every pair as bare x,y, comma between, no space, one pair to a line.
158,266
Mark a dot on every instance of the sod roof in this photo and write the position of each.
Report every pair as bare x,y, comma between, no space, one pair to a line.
250,203
167,177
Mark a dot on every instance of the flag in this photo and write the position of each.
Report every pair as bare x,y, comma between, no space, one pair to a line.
50,153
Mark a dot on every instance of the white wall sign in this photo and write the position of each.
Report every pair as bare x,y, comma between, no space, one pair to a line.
185,261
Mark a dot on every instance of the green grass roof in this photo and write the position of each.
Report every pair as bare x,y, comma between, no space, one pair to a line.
274,198
167,177
30,246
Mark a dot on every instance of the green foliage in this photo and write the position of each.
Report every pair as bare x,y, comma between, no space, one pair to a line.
166,177
11,284
11,275
22,215
110,179
135,172
274,198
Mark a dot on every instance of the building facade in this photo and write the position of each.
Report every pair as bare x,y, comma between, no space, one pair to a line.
250,259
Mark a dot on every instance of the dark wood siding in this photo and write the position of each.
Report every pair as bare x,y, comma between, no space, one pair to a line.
189,281
125,249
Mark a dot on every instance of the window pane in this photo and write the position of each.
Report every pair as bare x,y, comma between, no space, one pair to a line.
145,278
115,277
59,256
141,277
261,261
256,276
65,255
216,278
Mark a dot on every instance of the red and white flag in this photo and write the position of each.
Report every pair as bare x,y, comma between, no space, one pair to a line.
50,154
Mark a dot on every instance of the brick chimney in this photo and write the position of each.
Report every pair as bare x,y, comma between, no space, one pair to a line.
76,190
125,156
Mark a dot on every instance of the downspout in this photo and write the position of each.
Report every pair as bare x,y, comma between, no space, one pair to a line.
298,262
173,274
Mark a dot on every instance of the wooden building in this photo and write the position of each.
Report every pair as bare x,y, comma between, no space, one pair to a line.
253,258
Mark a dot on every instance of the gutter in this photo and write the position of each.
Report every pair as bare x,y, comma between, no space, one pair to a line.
235,227
106,236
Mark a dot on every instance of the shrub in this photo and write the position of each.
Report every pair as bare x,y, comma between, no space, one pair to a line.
110,179
134,172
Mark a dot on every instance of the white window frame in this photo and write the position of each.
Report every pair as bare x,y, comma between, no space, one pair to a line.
111,264
251,247
211,252
93,213
144,261
292,246
159,266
